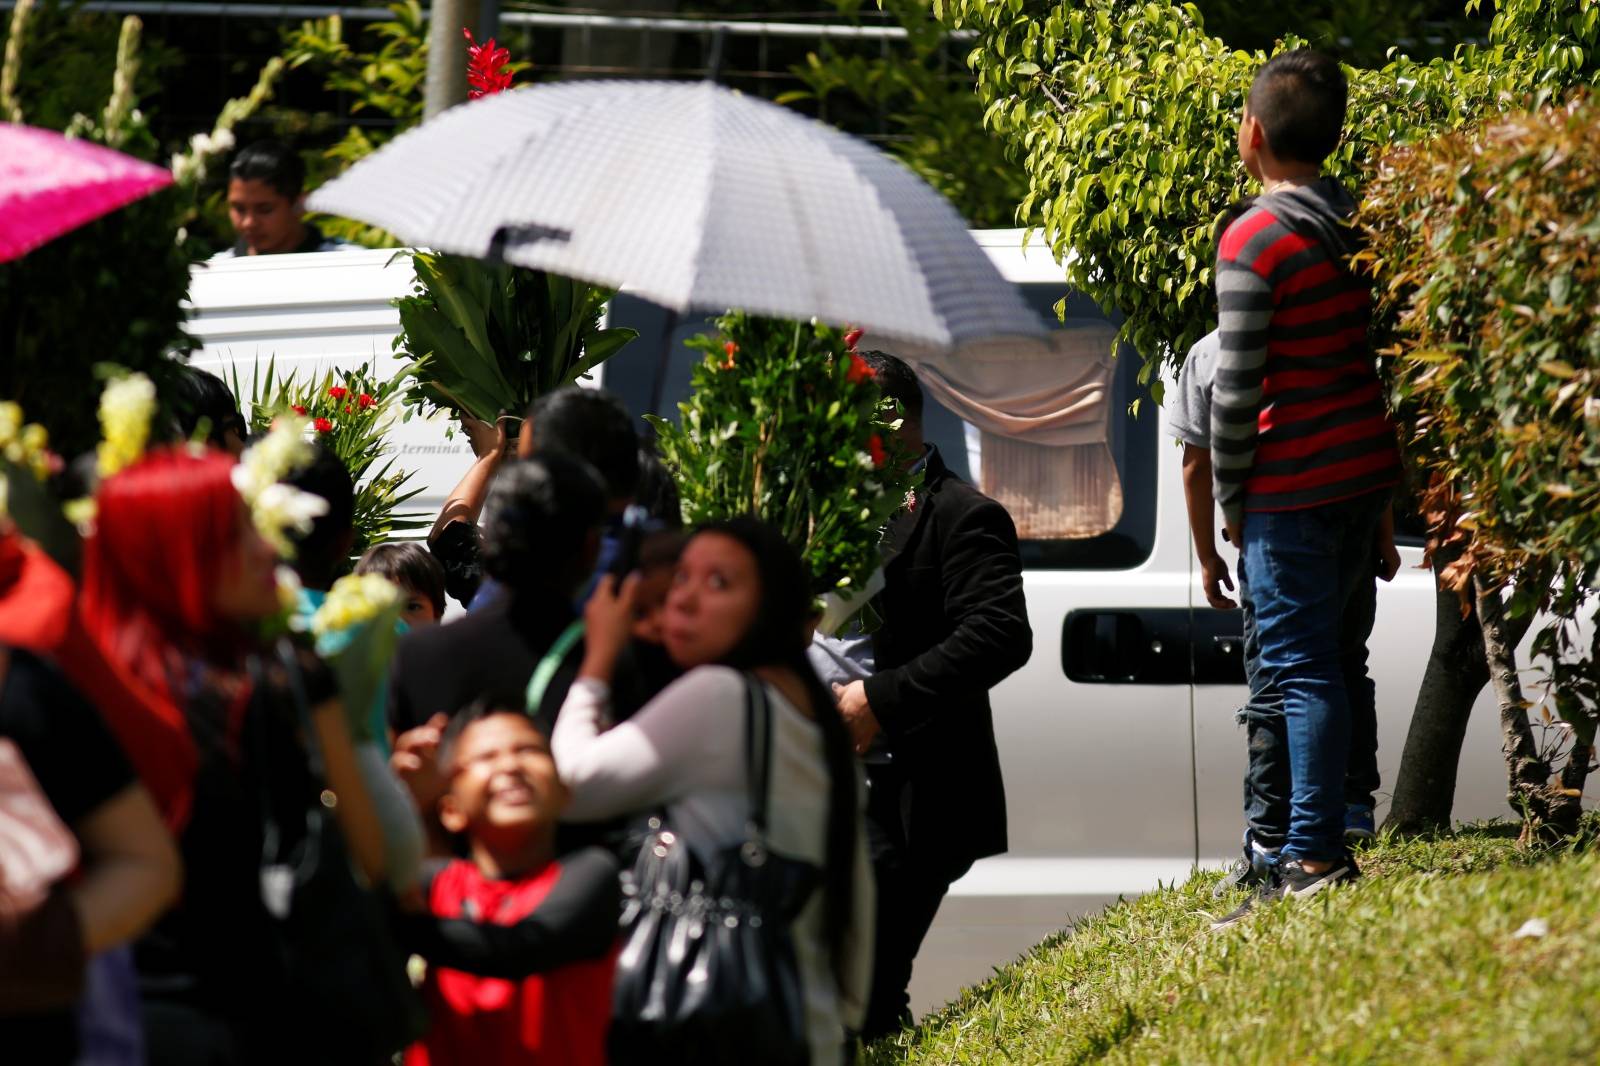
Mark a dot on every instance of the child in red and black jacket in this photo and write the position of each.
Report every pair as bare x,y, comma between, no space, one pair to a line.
1303,452
519,944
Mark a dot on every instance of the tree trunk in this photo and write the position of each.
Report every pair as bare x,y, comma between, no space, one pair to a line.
1425,787
446,85
1529,788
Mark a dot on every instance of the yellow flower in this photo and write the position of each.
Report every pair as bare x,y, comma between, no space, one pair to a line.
126,407
354,599
25,446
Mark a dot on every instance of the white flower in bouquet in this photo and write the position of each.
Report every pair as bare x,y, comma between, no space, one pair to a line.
277,508
280,510
354,599
127,405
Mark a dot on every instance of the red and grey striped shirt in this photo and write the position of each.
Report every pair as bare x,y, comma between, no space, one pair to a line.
1297,416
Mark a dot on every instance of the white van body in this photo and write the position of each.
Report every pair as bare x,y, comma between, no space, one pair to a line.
1112,787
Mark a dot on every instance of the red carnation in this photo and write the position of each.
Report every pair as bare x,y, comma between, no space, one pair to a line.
338,393
322,425
859,370
365,399
297,409
851,339
348,409
486,67
875,449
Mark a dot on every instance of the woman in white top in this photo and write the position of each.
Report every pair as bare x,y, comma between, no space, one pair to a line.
738,603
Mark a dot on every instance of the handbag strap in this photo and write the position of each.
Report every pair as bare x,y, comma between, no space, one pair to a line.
757,750
545,672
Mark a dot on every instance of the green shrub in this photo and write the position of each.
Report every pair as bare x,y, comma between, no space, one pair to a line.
1486,249
785,424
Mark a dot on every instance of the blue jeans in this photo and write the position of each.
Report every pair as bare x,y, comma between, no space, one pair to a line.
1310,602
1266,779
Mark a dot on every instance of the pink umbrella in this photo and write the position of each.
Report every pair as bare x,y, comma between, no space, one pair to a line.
50,184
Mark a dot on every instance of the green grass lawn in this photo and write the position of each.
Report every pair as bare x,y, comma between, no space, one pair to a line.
1419,963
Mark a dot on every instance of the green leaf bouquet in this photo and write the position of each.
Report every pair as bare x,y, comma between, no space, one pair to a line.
786,422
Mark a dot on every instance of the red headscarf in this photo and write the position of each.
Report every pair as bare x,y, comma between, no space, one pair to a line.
164,529
35,595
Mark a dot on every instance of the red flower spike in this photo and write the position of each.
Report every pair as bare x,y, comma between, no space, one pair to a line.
730,348
297,409
322,425
859,370
851,339
365,399
338,393
486,67
875,449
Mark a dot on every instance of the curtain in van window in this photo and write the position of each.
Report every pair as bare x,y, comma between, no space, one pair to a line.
1043,410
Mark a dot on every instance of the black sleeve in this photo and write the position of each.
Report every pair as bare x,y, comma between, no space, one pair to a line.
459,549
576,921
69,748
981,571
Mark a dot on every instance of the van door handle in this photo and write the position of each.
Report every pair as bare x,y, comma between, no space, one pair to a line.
1114,646
1218,647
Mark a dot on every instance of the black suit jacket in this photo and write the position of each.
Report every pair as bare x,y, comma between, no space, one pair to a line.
490,654
955,624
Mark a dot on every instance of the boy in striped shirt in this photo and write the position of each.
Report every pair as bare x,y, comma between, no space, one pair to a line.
1302,451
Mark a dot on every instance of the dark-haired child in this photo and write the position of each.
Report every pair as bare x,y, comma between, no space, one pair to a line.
418,575
1302,450
518,943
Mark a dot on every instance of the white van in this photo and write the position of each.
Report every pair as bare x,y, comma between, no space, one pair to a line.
1122,770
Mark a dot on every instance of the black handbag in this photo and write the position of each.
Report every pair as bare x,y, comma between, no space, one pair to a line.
339,953
707,972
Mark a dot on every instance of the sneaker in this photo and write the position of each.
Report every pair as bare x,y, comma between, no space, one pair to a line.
1254,867
1298,883
1265,892
1359,823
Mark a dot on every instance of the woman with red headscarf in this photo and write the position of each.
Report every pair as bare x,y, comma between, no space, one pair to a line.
176,581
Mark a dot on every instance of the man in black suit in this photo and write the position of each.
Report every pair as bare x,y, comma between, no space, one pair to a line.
540,542
954,625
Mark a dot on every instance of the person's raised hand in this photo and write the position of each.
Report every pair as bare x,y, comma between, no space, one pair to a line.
415,761
486,439
1213,577
607,623
856,711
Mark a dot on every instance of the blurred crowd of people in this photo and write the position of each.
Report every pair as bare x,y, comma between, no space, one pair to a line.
245,856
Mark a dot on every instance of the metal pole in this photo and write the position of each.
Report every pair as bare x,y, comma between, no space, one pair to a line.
447,54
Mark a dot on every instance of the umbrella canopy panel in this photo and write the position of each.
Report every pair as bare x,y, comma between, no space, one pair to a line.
50,184
694,197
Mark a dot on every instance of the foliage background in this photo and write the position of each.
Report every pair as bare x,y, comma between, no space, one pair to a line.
110,291
1123,115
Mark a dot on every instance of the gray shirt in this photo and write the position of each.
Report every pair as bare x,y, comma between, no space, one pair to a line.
1189,408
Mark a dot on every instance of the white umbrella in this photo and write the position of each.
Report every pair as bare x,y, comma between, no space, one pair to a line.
691,196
